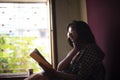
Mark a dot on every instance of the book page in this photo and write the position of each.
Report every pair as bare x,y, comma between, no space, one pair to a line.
36,55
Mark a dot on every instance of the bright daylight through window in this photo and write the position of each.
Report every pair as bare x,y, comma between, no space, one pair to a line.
23,27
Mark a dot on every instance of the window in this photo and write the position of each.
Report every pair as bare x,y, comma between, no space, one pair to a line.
23,27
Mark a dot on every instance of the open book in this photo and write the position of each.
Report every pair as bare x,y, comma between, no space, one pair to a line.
36,55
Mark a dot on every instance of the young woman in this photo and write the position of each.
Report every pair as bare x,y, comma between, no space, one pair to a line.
83,61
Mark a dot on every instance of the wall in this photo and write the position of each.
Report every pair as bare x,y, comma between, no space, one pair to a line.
66,11
104,19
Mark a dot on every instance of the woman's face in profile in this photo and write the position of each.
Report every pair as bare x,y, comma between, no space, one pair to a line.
72,34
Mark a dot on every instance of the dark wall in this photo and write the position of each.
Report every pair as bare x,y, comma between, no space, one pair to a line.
104,20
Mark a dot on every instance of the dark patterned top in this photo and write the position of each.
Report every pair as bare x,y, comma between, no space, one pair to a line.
88,65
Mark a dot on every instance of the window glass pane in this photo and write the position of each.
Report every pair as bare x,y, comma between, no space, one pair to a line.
23,27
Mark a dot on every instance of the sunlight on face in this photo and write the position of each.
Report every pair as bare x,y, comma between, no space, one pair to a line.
72,34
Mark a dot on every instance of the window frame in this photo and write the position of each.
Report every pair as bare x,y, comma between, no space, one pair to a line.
53,38
53,34
23,1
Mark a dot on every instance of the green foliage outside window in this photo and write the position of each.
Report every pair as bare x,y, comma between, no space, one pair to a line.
14,54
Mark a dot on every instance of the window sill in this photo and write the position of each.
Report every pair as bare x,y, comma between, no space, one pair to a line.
13,75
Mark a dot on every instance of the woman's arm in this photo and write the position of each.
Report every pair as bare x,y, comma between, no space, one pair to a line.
65,76
66,61
52,73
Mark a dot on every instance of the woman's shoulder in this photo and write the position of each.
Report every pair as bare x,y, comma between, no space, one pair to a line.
93,46
94,49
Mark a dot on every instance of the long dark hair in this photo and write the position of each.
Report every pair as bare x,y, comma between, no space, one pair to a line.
84,32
